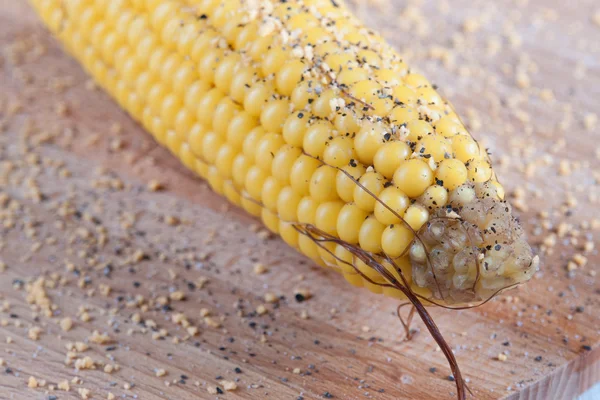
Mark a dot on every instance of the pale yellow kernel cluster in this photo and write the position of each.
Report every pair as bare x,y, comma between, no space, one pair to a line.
292,110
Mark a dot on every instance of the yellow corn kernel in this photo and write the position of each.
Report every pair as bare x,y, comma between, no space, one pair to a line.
413,177
389,157
371,184
350,219
392,206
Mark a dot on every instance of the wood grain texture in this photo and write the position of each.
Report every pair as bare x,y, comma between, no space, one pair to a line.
551,334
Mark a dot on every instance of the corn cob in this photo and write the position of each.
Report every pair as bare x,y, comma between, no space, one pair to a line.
302,116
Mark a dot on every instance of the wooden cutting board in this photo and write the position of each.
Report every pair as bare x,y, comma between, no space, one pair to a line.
76,208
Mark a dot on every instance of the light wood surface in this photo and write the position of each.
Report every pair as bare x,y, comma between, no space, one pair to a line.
549,329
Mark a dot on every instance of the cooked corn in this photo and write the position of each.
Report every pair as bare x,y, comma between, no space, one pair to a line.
283,107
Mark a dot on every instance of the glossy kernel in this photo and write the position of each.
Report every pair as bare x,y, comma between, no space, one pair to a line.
371,184
413,177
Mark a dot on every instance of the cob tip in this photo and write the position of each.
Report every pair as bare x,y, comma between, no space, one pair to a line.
472,248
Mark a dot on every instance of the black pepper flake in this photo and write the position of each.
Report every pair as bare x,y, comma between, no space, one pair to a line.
219,390
300,115
299,297
579,309
237,370
136,284
432,370
538,358
451,378
586,347
327,395
203,16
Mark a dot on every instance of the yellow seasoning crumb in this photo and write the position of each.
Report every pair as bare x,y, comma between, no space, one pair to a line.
201,282
297,370
64,386
366,329
155,186
589,121
85,317
547,95
172,220
81,346
110,396
229,385
271,298
260,268
109,368
264,234
100,338
34,333
159,372
204,312
212,322
104,289
580,260
471,25
211,389
61,109
2,362
32,383
596,18
192,330
179,318
9,340
177,296
85,363
502,357
84,393
66,324
126,386
304,314
261,310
